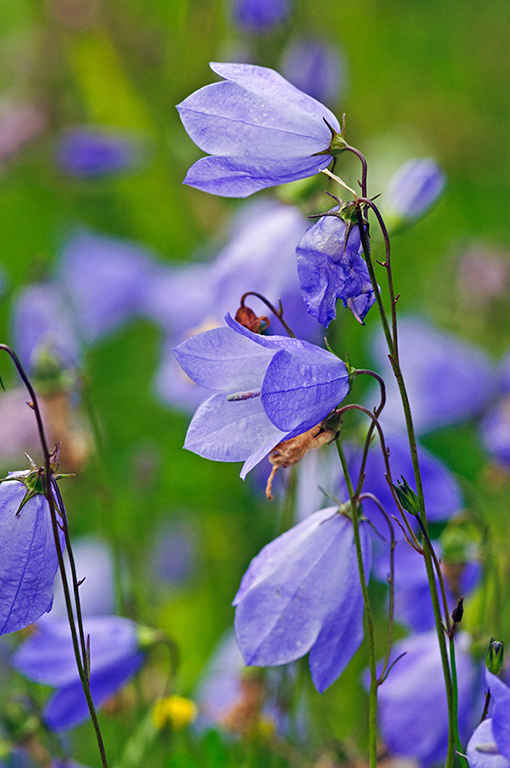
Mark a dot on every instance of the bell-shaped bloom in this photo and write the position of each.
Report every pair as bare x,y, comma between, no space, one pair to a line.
28,557
330,267
413,189
489,746
413,712
447,379
268,389
95,153
48,657
259,129
302,594
259,15
413,604
258,256
42,322
316,68
104,281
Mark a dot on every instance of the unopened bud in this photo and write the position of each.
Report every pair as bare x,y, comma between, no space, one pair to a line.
247,318
407,497
458,611
494,656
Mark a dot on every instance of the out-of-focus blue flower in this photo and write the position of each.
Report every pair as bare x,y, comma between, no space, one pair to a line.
28,557
330,267
315,67
413,712
495,426
268,389
259,256
94,567
413,189
104,280
489,746
447,379
302,594
48,657
413,604
259,15
42,323
95,153
259,130
173,554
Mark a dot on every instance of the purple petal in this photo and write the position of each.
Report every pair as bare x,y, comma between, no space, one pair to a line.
28,558
300,390
93,153
414,188
260,15
501,714
495,431
316,68
482,751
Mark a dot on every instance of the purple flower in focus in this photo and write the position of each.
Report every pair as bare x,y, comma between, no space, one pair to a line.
330,267
28,558
413,713
259,15
268,389
48,657
489,746
413,189
448,380
259,129
316,68
94,153
302,594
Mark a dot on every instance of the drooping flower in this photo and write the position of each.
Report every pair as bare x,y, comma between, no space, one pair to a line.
315,67
48,657
268,389
330,267
259,15
259,129
413,189
447,379
28,557
302,594
489,746
95,152
413,712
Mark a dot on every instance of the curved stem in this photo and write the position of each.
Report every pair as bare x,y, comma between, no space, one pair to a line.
372,706
277,312
81,663
364,167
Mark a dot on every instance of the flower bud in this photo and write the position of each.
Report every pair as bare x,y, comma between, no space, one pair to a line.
494,656
407,497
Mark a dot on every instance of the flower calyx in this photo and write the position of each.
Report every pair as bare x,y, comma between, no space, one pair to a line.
34,479
494,656
407,497
248,319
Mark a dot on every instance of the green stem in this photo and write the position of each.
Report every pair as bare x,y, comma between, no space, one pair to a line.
369,622
456,701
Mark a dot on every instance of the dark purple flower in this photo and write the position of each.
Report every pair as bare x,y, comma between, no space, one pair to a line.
489,746
448,379
413,713
302,594
94,152
259,129
28,557
413,189
259,15
330,267
48,657
316,68
268,389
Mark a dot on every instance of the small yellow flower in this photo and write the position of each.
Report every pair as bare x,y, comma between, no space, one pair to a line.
174,711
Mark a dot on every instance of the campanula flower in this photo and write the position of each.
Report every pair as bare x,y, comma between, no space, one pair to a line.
258,256
259,15
48,657
489,746
95,152
413,189
268,389
302,594
330,267
315,67
259,130
413,713
447,379
28,558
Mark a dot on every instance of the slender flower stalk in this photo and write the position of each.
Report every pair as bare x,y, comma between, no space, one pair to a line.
79,645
